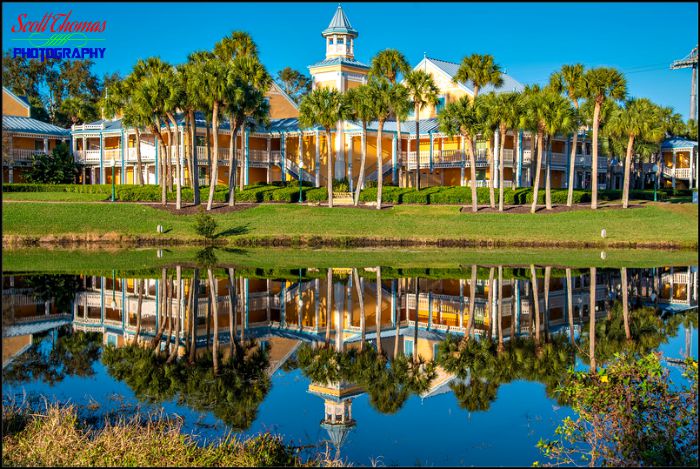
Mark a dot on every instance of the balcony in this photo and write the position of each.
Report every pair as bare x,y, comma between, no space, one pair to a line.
678,173
441,159
22,155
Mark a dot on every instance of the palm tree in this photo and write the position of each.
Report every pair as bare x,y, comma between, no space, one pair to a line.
488,125
640,118
381,97
324,107
361,299
423,91
591,312
237,44
215,86
569,80
387,64
625,303
536,304
172,104
215,312
480,70
362,109
559,118
533,104
461,118
570,304
601,83
506,113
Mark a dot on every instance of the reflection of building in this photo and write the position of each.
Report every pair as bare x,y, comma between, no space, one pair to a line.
337,409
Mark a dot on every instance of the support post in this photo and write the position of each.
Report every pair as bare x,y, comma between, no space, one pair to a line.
673,171
350,174
431,151
246,150
102,167
269,159
496,159
462,180
283,161
519,167
317,161
155,143
394,159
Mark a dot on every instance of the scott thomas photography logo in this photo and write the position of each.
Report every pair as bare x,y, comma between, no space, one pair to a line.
58,36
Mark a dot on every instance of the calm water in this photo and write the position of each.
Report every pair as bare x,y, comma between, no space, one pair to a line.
300,367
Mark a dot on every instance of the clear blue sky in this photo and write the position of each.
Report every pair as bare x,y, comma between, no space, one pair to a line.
529,40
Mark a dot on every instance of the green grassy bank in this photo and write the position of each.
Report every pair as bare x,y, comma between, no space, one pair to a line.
653,225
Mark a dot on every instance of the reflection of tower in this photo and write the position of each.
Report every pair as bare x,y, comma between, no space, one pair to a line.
337,412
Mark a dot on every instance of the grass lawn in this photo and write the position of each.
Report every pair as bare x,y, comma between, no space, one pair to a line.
95,262
663,223
54,196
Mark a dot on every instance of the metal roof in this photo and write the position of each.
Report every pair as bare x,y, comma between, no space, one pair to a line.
677,143
509,83
31,126
339,61
425,126
340,24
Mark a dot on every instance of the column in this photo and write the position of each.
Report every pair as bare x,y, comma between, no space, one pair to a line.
102,168
673,171
461,303
317,161
182,157
46,146
122,174
155,167
350,175
340,170
11,174
73,143
431,152
394,162
269,159
519,167
462,181
567,152
300,146
283,163
496,159
83,174
246,160
692,167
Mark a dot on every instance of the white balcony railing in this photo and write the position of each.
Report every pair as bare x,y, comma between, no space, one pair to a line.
678,173
20,154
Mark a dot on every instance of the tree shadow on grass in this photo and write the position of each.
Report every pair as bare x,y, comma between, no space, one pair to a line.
236,230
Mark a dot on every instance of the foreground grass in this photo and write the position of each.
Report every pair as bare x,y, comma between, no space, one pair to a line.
94,262
57,438
654,223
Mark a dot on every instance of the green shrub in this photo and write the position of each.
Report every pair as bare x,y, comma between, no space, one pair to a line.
286,194
419,197
255,193
205,225
340,185
318,194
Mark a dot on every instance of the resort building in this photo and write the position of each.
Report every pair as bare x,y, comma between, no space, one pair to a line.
23,137
678,165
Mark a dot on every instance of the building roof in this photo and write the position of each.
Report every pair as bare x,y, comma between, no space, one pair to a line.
339,61
22,99
676,143
340,24
450,68
425,126
31,126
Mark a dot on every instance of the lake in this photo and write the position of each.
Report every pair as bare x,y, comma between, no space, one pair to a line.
293,350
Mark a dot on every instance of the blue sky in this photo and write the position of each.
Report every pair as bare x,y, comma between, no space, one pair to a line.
529,40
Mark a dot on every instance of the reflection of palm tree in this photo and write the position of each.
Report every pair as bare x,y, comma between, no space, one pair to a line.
398,320
195,314
536,304
329,301
500,309
625,304
232,316
547,278
379,311
176,340
415,325
591,312
472,300
361,299
570,304
215,313
161,327
490,301
139,304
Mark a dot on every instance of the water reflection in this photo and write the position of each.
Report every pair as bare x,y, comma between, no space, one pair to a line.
211,337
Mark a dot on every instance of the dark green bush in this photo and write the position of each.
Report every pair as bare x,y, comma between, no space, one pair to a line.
286,194
205,225
419,197
255,193
319,194
340,185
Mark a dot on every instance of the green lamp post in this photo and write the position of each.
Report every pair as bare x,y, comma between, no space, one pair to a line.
655,168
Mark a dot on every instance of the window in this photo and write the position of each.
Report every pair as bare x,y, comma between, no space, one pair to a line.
408,347
330,41
39,145
340,41
440,104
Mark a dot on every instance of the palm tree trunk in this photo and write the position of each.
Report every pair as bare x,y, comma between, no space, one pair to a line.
570,304
594,157
215,159
500,308
536,304
472,163
161,169
548,176
378,314
232,163
139,308
547,278
169,159
472,299
536,184
625,304
500,171
380,165
329,168
572,169
591,312
178,164
215,313
139,165
329,301
398,149
398,322
176,339
626,183
417,110
492,195
361,299
231,318
187,151
492,287
169,299
361,177
162,310
195,162
195,314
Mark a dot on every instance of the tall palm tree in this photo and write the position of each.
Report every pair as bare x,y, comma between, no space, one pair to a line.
400,107
533,118
362,109
486,111
324,107
423,91
600,84
639,118
172,104
569,80
237,44
388,64
506,112
481,70
214,85
559,118
460,118
380,94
